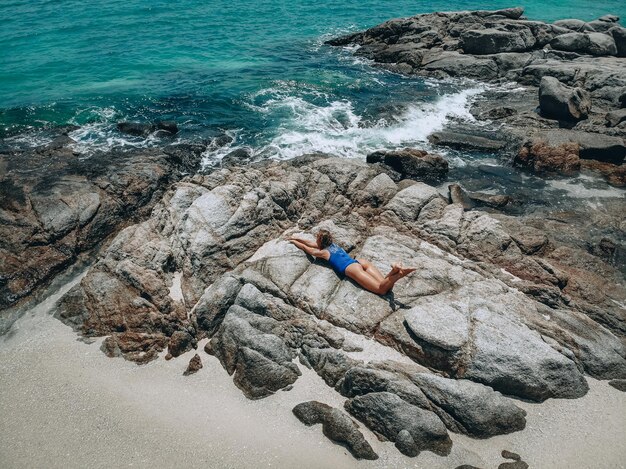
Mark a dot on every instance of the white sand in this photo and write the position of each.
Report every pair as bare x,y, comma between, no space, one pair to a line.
63,403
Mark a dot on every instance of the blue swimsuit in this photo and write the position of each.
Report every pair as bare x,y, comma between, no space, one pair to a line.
339,259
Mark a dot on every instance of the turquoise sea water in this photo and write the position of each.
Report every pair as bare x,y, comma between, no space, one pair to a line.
257,69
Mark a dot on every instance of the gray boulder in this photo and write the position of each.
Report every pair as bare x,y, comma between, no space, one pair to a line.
493,41
571,42
476,409
573,24
465,141
601,44
559,101
214,303
261,361
615,118
599,25
452,63
619,36
337,426
386,414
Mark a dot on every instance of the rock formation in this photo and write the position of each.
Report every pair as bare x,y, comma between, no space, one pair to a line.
565,67
496,307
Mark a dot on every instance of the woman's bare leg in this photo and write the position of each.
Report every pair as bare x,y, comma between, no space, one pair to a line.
371,269
357,273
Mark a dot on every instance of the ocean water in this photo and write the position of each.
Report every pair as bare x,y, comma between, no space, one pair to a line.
256,69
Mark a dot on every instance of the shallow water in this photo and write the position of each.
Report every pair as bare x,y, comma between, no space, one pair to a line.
256,69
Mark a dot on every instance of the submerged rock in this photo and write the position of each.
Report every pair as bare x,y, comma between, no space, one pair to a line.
541,157
138,129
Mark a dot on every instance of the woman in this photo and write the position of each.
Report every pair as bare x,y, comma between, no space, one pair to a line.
361,271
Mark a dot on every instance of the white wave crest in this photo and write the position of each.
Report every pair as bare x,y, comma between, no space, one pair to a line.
337,129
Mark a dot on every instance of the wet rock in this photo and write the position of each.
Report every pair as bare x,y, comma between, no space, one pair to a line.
237,157
454,64
195,364
458,195
469,200
559,101
137,129
168,126
388,415
413,163
465,141
489,200
593,146
337,426
541,157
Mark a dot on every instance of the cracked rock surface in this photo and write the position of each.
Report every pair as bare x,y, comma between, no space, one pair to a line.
496,308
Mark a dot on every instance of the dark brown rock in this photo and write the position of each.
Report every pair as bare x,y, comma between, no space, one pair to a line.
541,157
140,348
138,129
180,342
195,364
413,163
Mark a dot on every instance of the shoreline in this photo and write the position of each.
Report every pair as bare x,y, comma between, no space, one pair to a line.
513,319
65,404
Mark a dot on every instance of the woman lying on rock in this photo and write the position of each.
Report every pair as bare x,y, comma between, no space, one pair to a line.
361,271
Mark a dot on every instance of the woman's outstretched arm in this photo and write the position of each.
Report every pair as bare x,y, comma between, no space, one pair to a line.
311,244
312,251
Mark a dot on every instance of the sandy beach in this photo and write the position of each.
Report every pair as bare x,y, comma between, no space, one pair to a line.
65,404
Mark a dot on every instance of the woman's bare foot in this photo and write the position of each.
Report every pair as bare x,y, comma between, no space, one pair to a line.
396,268
407,270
